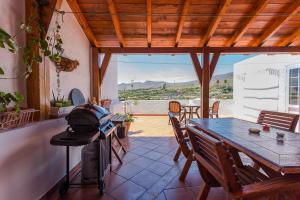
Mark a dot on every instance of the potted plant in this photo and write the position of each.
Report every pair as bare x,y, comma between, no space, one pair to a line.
60,107
127,122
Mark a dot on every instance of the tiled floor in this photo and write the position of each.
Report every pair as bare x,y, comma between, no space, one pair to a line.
148,171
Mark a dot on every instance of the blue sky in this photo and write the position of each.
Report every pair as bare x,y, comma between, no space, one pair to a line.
177,68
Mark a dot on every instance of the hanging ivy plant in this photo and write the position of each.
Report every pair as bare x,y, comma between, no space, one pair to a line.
50,47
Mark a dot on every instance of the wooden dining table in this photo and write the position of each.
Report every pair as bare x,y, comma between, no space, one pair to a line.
280,158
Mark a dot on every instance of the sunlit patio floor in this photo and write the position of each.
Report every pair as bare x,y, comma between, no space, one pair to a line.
148,171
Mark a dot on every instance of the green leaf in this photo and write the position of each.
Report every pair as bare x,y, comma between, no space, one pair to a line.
44,45
1,71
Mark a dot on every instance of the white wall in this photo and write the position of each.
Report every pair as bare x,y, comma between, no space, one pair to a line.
12,15
109,89
29,165
76,46
261,82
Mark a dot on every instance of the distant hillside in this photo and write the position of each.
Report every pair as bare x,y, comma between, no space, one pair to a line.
159,84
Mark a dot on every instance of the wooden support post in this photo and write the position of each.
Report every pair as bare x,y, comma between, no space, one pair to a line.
197,66
95,83
205,85
38,83
103,70
213,63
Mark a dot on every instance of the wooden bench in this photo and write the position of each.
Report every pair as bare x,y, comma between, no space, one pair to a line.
283,121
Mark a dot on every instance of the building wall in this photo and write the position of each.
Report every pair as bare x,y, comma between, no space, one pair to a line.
261,82
29,165
76,46
109,89
12,15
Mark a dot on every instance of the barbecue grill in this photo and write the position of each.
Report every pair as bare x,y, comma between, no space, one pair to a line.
89,125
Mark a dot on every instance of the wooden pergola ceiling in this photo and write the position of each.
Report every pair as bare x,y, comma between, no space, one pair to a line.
189,23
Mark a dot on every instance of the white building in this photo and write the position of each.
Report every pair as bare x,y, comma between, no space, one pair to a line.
266,82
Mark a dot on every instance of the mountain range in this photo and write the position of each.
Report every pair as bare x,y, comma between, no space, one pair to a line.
159,84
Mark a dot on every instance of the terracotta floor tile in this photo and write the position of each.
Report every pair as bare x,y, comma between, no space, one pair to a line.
145,179
85,193
147,196
153,155
179,194
129,170
112,181
162,149
159,168
193,178
176,183
127,191
142,162
161,196
129,157
150,145
140,150
168,159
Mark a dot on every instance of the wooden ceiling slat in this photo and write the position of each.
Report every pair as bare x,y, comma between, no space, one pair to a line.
191,22
290,39
116,21
149,22
292,10
83,22
247,22
214,24
181,22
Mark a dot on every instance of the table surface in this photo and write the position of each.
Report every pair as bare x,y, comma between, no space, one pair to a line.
189,105
279,156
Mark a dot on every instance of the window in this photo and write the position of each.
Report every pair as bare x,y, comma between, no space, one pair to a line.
294,86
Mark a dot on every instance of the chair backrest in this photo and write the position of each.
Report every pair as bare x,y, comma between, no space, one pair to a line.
215,163
215,107
174,107
283,121
179,135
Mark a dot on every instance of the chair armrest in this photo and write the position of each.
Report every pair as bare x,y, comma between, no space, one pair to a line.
274,185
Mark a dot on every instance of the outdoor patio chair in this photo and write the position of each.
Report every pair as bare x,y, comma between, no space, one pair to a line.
214,110
184,146
283,121
217,169
176,109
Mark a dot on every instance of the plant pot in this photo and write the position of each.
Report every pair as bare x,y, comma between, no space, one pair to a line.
57,112
127,127
121,132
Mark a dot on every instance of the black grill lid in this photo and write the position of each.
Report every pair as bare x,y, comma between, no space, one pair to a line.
87,117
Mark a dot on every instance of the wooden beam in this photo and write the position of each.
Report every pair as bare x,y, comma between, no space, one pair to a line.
215,22
181,21
149,22
83,22
290,39
116,21
205,86
48,10
38,83
213,63
256,50
260,6
146,50
104,66
291,11
181,50
95,82
197,66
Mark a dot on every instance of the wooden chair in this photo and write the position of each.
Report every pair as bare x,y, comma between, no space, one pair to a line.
214,110
176,109
283,121
217,169
184,146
